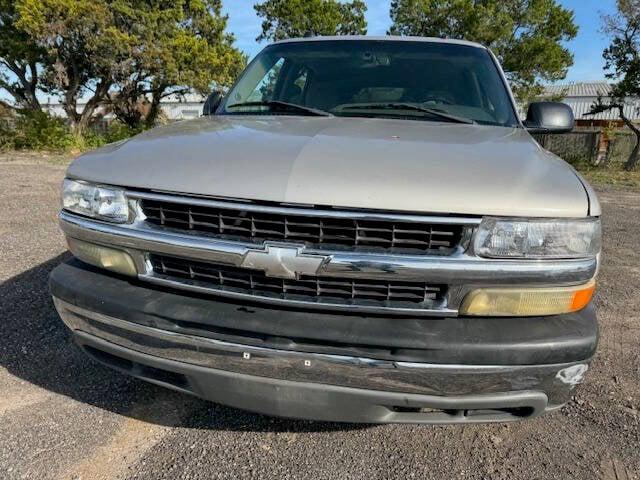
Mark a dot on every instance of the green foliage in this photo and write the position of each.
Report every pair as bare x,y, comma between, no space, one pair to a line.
117,131
98,137
117,53
296,18
526,35
36,130
5,127
610,173
622,63
87,51
622,57
19,59
186,48
195,49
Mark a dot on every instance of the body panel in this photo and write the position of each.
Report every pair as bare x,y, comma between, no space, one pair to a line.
386,164
128,327
439,340
380,38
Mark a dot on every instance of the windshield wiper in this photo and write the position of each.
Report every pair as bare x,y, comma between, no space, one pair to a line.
283,105
410,106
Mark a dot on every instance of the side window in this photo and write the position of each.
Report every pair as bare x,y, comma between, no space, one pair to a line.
301,81
265,88
294,89
496,103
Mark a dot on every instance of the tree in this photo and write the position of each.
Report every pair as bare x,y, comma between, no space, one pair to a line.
526,35
298,18
19,60
112,53
186,49
622,63
88,51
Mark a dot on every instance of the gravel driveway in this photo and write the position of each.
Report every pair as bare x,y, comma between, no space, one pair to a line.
63,416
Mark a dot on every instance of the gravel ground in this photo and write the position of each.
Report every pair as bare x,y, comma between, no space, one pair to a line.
64,417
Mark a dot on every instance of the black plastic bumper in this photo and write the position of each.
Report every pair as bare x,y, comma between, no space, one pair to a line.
292,363
468,341
314,401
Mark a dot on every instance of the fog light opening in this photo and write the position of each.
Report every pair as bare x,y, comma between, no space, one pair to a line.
111,259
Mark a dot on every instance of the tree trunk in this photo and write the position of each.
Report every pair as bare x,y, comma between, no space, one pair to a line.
128,104
154,108
633,158
80,121
70,103
34,104
24,91
31,89
632,161
70,108
127,111
82,125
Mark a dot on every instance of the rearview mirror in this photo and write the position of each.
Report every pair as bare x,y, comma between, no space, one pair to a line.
549,117
212,103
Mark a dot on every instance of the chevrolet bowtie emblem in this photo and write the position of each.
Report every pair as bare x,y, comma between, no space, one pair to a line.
284,261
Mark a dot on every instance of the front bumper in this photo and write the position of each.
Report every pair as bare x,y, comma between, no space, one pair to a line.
461,272
490,375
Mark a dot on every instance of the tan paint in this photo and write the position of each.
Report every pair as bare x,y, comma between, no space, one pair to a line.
388,164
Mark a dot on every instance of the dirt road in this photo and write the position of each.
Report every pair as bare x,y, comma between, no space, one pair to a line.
64,417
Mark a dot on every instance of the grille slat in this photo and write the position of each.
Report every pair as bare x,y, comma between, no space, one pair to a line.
385,293
313,231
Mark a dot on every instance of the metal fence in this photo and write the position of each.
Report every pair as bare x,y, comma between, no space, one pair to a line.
576,146
593,146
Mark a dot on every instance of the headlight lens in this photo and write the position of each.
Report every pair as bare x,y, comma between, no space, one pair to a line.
93,201
538,238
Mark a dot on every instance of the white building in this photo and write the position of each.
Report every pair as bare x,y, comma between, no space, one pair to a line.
177,107
581,96
174,107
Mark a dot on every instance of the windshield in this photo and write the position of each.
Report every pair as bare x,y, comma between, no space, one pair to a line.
447,82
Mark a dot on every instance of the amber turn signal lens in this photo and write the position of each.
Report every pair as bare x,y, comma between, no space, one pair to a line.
522,302
581,298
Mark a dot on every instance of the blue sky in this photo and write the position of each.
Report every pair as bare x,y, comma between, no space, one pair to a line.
587,46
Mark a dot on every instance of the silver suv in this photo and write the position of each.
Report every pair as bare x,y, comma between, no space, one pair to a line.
361,230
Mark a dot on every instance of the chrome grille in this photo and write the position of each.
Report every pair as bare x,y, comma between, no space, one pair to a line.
329,290
312,230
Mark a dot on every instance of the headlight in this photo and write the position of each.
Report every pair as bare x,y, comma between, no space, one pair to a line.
93,201
538,238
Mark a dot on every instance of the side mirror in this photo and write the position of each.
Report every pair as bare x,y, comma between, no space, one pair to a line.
212,103
549,117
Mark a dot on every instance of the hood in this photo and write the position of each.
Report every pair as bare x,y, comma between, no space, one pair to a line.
387,164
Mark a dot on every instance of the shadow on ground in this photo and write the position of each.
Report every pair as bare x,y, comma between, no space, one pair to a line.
35,346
